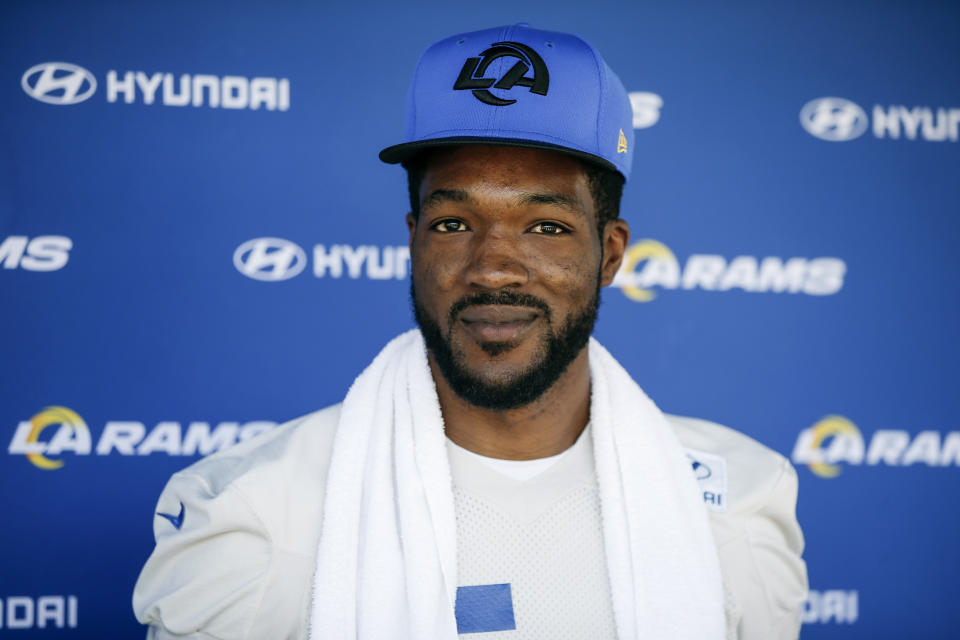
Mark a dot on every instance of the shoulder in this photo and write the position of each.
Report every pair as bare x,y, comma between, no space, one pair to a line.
294,456
744,469
291,460
750,492
236,536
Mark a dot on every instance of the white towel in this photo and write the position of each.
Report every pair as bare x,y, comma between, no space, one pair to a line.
386,562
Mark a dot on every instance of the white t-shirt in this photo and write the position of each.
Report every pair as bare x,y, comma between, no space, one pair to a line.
530,554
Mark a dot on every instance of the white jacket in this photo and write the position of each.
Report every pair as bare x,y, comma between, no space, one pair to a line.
241,563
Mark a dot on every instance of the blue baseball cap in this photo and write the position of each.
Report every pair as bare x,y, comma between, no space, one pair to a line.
518,86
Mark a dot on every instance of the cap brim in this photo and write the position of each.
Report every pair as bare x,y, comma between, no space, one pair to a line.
404,153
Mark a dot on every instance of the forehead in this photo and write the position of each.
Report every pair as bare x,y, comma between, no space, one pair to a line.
479,168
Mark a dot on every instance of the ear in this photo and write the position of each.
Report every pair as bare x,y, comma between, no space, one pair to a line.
412,228
616,237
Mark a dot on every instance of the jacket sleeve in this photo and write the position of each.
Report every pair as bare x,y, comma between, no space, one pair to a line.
207,577
771,573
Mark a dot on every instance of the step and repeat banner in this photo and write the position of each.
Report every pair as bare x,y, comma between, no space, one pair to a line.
197,243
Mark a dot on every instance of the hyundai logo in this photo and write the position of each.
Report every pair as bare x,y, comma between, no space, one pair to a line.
58,83
833,119
269,259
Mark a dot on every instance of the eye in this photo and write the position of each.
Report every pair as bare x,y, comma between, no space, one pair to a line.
449,226
549,228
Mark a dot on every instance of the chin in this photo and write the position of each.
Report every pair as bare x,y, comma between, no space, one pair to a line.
505,375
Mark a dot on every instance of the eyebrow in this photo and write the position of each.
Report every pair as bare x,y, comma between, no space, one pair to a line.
444,195
555,199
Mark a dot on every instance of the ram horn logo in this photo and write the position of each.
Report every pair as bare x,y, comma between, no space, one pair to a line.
700,470
58,83
68,421
472,74
833,119
640,252
269,259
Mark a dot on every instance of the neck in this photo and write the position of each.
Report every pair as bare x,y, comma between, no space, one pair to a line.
545,427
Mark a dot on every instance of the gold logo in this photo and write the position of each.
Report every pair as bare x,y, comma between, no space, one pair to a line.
622,143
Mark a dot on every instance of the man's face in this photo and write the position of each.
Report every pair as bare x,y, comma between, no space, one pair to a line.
507,266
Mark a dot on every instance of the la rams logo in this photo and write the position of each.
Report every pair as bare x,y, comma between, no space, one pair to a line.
700,470
472,75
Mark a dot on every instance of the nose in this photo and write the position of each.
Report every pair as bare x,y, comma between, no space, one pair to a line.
495,262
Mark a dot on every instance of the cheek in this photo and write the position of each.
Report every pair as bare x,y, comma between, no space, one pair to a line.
568,274
434,270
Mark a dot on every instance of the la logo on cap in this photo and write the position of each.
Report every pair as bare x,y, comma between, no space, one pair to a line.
472,74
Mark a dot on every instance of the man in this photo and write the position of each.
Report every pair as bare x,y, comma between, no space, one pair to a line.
496,472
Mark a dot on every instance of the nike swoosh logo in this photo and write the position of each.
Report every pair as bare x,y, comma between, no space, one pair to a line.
177,521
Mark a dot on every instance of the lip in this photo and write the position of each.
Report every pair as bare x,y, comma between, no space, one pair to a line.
497,323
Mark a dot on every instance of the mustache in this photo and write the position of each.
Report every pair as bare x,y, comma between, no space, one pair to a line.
504,297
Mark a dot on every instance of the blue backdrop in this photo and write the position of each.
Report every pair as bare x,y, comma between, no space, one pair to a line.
198,242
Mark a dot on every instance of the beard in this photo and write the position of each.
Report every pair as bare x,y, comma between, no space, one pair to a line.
557,348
